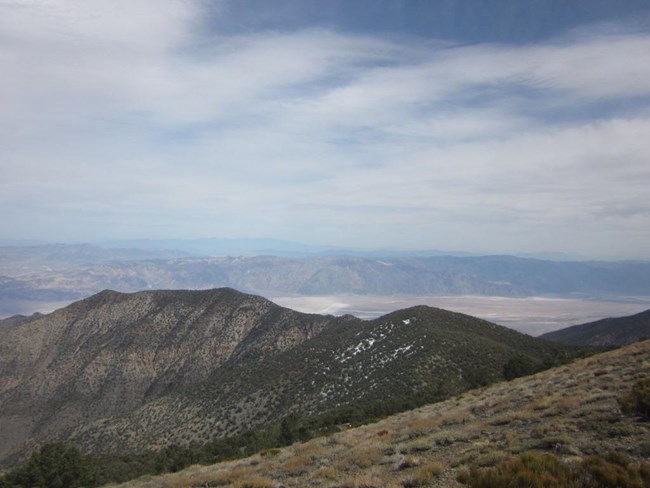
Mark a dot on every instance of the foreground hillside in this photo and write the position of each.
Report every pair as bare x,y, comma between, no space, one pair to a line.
606,332
570,412
119,373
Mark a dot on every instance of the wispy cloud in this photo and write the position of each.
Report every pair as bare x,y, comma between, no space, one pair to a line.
136,119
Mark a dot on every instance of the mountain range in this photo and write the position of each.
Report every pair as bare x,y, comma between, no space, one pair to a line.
123,372
35,275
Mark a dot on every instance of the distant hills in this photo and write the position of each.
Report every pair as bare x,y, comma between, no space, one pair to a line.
59,273
122,372
606,332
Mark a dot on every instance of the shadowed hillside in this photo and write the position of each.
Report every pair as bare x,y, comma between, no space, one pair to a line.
607,332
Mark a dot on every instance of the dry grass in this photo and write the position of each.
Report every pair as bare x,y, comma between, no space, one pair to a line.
571,412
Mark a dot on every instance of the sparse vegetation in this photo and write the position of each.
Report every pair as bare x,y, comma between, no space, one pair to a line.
340,370
511,427
441,443
542,470
569,417
529,470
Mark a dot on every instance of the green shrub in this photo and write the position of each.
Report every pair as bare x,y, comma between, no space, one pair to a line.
55,465
517,366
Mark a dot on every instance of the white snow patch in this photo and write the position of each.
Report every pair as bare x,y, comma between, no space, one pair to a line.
401,350
350,352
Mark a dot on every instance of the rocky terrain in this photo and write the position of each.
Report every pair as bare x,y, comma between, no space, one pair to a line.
112,352
122,372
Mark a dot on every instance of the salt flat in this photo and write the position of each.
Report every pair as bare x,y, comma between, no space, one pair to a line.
531,315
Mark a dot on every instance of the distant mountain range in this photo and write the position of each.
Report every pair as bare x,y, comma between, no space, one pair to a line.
59,273
606,332
122,372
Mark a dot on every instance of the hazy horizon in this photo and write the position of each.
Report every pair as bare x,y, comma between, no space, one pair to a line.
234,246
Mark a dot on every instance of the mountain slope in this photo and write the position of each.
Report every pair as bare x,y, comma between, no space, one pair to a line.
570,412
113,352
118,372
606,332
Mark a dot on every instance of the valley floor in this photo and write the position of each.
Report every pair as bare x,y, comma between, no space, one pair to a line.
530,315
570,411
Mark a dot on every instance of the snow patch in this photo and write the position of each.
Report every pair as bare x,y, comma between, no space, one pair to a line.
350,352
401,350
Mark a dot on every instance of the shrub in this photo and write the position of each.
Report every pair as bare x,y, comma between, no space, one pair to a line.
534,470
637,402
428,471
615,470
529,470
270,452
55,465
407,462
517,366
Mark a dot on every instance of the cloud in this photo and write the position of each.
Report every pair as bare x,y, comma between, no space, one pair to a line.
129,119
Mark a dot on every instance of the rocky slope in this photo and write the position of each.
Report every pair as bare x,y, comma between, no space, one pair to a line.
606,332
118,372
111,353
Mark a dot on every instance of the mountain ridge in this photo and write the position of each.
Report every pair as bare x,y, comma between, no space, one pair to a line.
105,354
612,331
126,371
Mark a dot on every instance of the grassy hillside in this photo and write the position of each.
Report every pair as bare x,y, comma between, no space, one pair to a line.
571,412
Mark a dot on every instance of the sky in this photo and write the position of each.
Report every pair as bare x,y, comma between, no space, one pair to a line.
479,126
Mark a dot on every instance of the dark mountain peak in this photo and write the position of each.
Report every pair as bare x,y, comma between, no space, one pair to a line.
428,313
606,332
642,315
